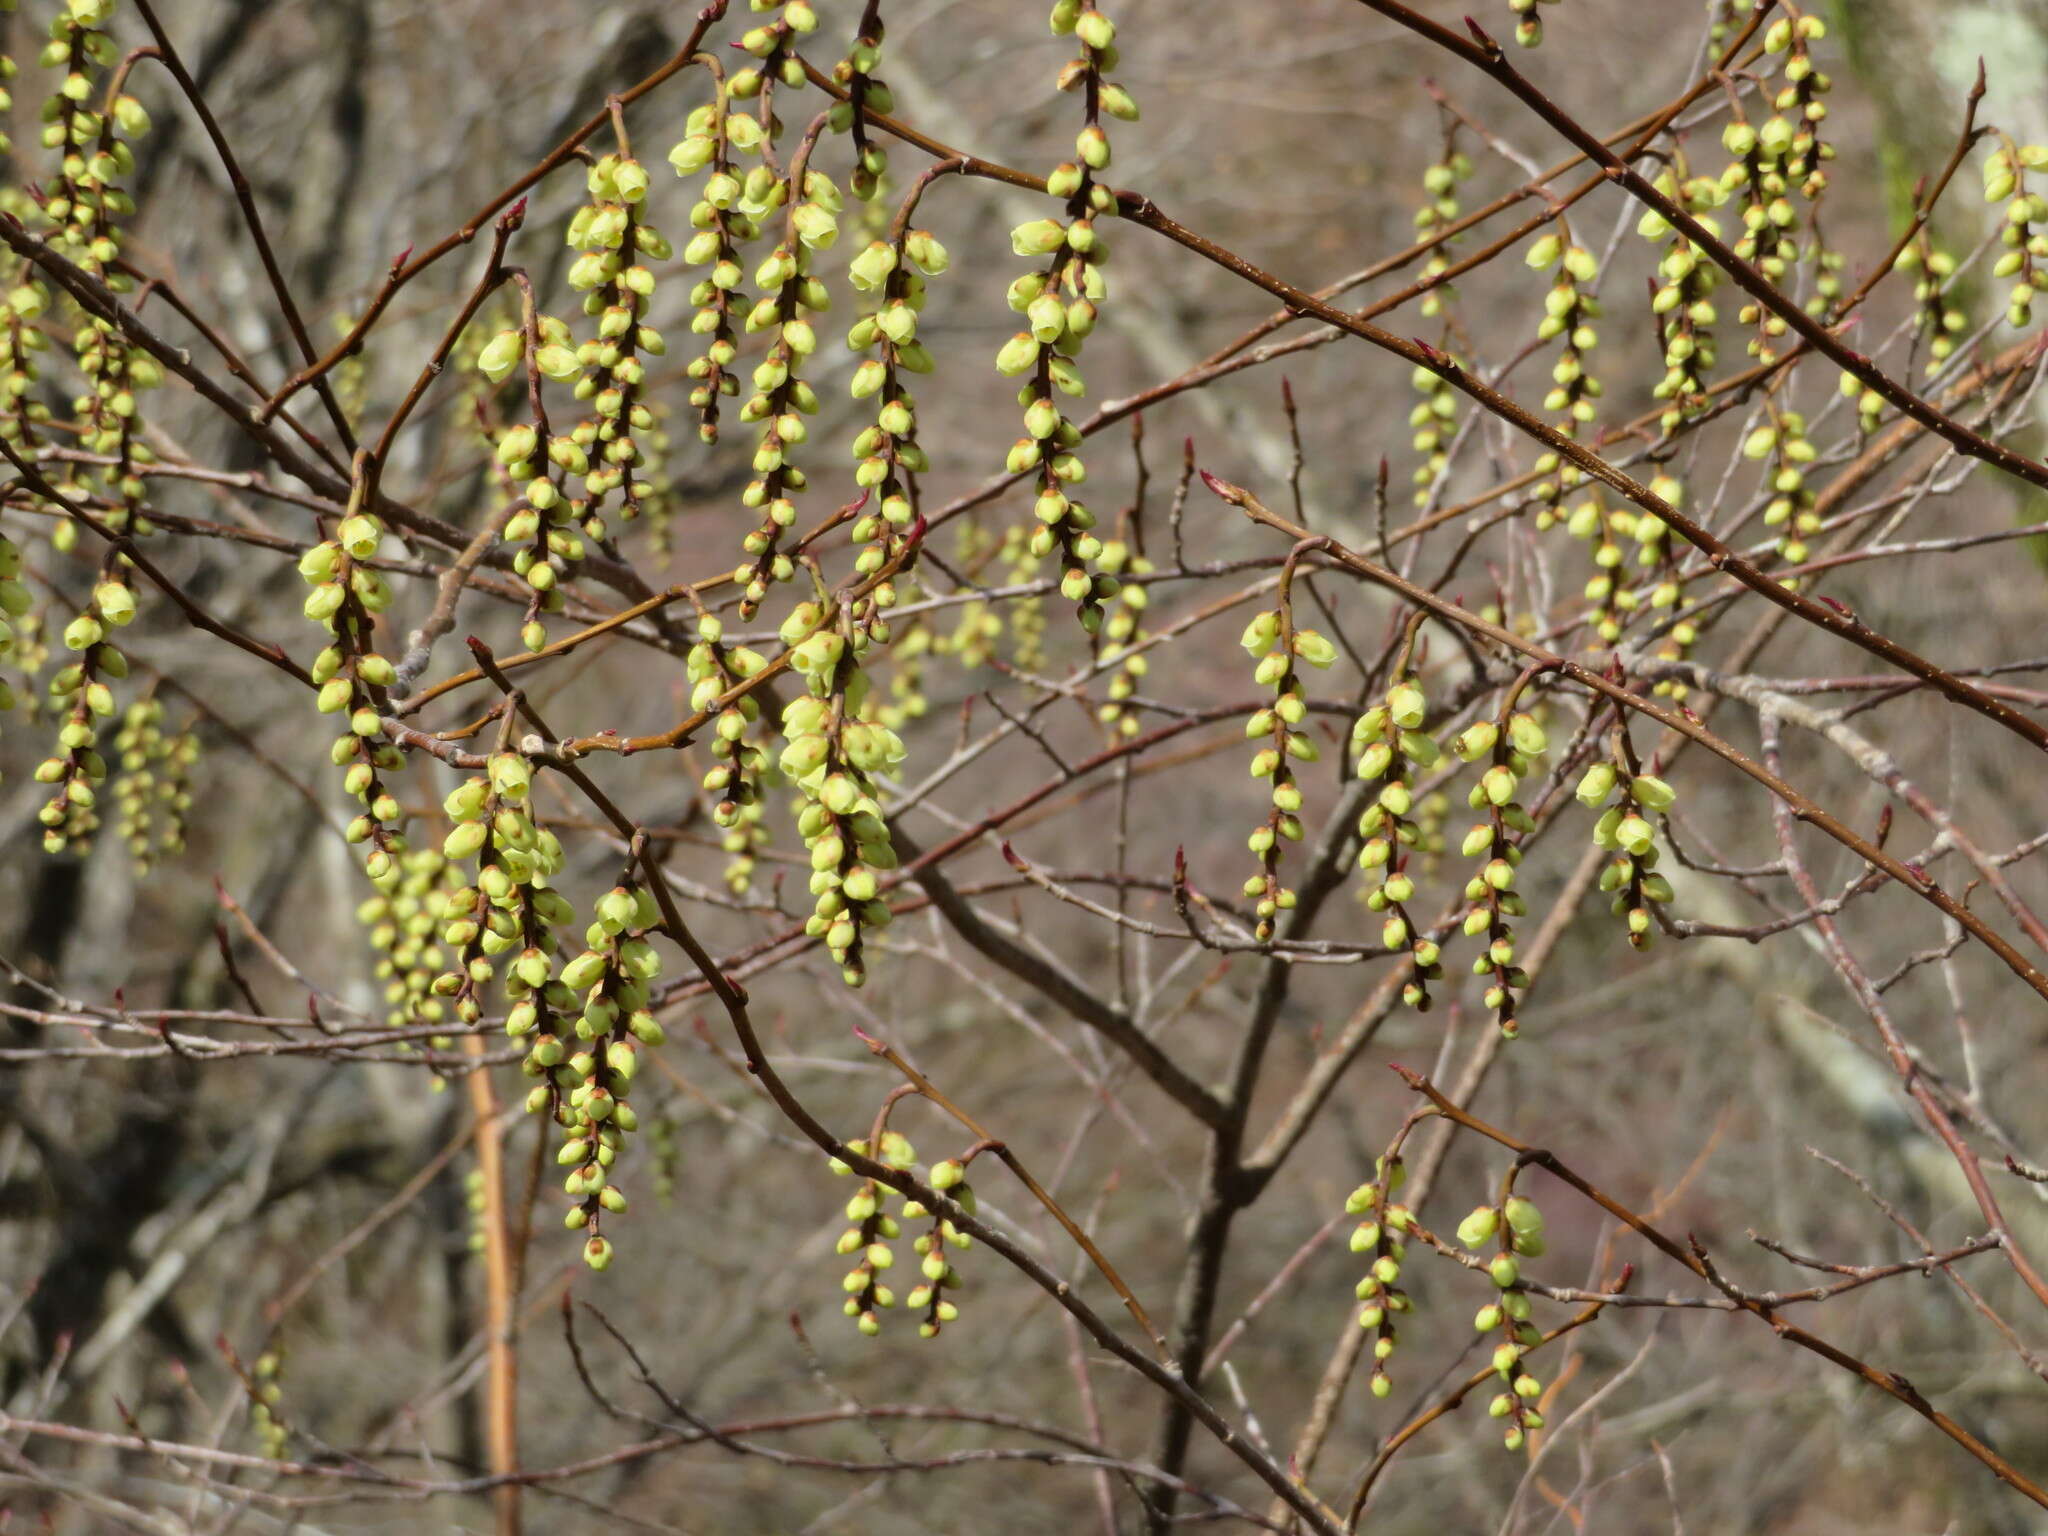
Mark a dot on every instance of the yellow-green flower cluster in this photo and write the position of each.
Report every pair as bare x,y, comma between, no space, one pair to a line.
664,1155
345,599
979,621
1434,419
717,231
1058,304
2025,234
1768,215
908,651
1123,634
1590,520
835,751
404,920
15,603
83,205
107,415
616,277
542,529
782,398
138,743
31,652
82,200
887,450
1518,1225
872,1231
1941,320
938,1274
1568,312
1392,747
80,690
1497,840
1379,1234
982,623
1792,134
21,411
1790,510
266,1394
511,909
1613,598
740,766
1625,829
1768,163
864,93
7,72
1683,299
1276,643
773,45
476,1200
1439,208
1655,548
588,1092
153,796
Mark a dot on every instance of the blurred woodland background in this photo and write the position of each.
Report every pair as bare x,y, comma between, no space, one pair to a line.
178,1233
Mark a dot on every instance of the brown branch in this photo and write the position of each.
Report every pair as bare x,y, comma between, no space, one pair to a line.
1806,810
1690,1257
1076,997
1141,210
167,52
1010,1160
1487,56
199,618
733,1000
1902,1060
553,161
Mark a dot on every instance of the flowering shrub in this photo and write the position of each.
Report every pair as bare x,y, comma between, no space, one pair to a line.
730,587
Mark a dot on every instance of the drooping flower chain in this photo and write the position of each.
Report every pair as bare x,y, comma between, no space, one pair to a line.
1497,840
1568,312
1790,510
782,398
509,909
2025,234
1518,1226
617,282
1687,281
737,775
888,454
939,1277
1059,307
542,529
1941,319
80,690
1123,635
718,231
1439,208
834,753
1273,639
612,977
405,920
1379,1233
865,92
153,796
345,599
1630,878
1392,747
872,1231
